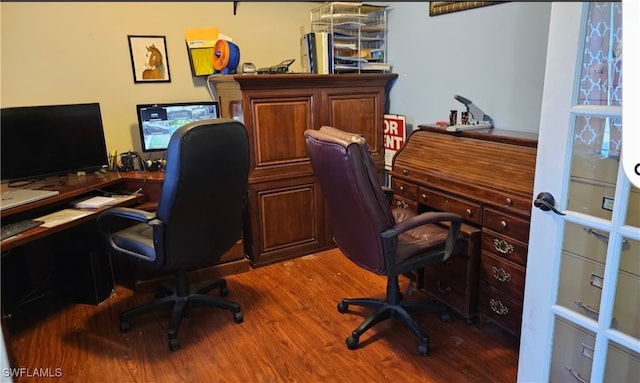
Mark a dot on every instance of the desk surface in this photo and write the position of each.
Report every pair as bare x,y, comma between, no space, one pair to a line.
71,188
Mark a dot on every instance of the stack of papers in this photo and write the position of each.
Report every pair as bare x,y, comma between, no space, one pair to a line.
95,202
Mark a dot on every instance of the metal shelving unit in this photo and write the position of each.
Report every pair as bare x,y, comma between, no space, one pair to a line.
358,35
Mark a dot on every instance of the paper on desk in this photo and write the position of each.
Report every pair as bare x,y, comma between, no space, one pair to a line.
62,216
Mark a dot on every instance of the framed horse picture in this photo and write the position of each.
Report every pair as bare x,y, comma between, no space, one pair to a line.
149,59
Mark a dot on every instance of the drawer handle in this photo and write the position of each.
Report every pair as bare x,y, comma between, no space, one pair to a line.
469,213
445,290
402,205
605,238
424,196
587,309
502,246
402,189
509,202
405,171
500,274
575,375
503,224
497,307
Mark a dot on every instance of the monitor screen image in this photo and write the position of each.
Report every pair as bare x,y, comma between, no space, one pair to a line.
40,141
157,122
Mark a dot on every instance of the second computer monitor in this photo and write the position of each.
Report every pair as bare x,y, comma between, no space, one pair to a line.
157,122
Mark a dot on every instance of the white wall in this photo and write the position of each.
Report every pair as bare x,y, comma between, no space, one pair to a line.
68,52
75,52
494,56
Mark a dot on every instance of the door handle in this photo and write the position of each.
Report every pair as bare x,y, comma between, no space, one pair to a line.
546,202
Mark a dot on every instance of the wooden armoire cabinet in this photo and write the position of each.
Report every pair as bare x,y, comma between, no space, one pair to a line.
286,217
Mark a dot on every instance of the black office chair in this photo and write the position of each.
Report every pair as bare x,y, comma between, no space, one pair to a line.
368,231
199,218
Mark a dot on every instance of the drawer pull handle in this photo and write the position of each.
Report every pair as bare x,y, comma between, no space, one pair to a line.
587,309
445,290
502,246
405,171
497,307
424,197
604,237
402,189
509,202
469,213
500,274
402,205
575,375
503,224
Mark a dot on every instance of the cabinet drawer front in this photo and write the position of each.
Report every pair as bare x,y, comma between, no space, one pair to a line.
505,277
405,189
456,268
506,224
572,353
450,292
504,247
471,212
500,308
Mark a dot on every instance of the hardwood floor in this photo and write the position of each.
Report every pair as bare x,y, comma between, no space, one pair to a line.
292,332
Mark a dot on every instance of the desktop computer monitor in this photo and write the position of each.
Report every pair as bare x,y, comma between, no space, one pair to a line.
157,122
40,141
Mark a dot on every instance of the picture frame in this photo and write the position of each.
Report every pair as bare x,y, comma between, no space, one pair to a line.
149,59
441,7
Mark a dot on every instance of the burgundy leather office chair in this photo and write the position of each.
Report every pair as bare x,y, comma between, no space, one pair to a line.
368,231
199,218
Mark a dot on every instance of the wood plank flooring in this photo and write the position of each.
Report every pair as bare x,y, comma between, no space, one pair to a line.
292,332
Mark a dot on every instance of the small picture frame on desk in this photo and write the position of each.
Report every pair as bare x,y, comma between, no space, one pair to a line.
149,60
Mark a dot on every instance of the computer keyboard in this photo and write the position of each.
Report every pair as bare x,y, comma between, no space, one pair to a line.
15,228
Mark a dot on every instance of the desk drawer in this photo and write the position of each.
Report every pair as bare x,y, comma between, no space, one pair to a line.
506,224
504,276
500,308
504,247
471,212
404,189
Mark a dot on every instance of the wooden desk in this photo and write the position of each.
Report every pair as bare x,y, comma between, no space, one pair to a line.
486,177
47,248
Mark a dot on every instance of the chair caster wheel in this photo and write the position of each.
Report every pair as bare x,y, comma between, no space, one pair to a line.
352,342
445,317
343,307
423,348
237,317
174,344
125,326
224,291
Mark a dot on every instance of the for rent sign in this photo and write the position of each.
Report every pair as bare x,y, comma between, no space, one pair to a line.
395,134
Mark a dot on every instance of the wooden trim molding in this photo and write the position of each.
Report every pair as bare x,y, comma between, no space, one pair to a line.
441,7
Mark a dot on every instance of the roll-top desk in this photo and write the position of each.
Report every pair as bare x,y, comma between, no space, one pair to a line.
486,176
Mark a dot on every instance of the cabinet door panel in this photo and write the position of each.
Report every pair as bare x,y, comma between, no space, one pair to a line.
288,219
276,128
357,110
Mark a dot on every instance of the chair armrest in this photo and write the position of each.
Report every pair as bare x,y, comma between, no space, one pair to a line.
425,218
112,215
128,213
